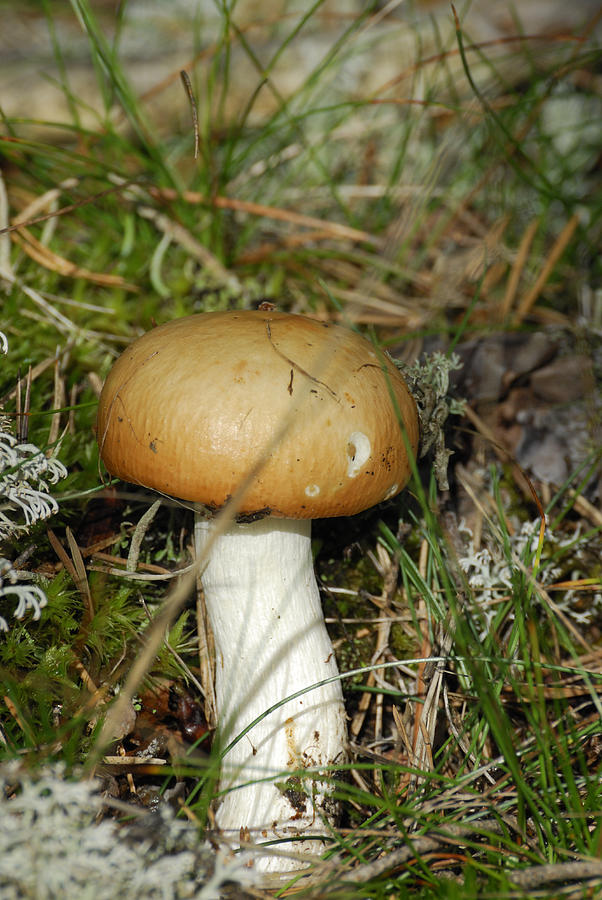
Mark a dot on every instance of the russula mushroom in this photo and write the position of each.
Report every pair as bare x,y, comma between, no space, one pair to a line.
316,423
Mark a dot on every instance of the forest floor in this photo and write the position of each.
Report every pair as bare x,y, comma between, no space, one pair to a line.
429,176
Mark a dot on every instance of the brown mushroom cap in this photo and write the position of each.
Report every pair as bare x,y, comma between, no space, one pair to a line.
192,406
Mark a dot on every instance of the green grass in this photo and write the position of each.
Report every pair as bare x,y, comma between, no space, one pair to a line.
504,777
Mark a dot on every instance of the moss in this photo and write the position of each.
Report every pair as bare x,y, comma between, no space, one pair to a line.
401,643
355,653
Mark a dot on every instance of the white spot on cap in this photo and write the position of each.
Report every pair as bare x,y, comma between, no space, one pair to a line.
312,490
358,452
391,492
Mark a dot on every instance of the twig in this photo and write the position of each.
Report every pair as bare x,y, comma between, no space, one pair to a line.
557,250
74,566
536,876
58,401
585,508
22,410
336,230
205,639
425,713
6,269
517,268
50,260
140,576
418,848
388,567
96,552
64,210
81,578
138,535
195,119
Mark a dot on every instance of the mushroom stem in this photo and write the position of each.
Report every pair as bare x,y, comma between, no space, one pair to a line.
271,641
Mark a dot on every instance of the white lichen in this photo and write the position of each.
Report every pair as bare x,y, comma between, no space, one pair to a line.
491,571
52,845
29,597
25,473
25,476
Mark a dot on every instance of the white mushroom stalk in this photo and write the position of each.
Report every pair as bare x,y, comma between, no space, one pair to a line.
271,641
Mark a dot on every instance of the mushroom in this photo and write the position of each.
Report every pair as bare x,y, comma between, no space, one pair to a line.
316,423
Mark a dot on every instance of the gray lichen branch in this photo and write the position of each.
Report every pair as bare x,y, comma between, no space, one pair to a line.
428,381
